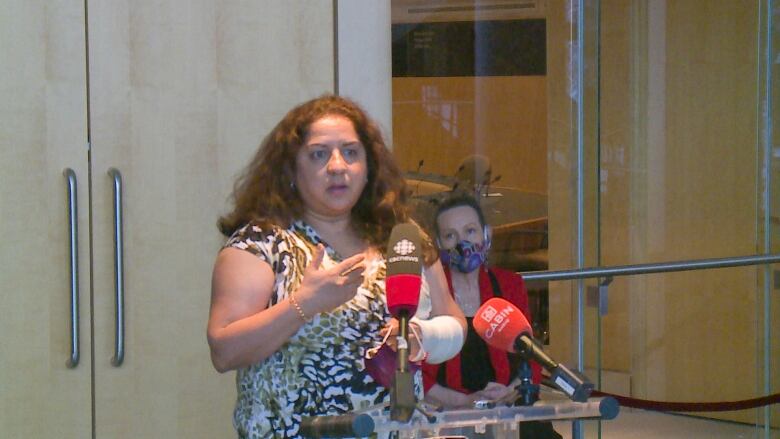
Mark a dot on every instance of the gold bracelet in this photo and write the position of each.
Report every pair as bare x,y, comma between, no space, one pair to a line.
298,308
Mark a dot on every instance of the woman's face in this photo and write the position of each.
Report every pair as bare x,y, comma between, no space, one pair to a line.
457,224
331,168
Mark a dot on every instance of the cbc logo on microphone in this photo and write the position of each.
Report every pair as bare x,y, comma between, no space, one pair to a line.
404,247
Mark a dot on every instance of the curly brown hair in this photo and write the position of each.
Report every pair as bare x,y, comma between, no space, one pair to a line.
264,192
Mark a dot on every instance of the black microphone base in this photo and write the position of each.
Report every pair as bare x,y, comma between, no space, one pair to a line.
402,399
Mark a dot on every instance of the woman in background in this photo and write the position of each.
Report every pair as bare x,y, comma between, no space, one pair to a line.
479,372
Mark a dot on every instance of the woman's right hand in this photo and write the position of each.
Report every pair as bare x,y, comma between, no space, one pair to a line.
492,391
242,329
322,290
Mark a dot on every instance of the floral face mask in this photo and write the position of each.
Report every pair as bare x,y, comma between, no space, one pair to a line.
466,256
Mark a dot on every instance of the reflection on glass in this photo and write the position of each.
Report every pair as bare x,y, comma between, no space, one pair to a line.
445,112
469,113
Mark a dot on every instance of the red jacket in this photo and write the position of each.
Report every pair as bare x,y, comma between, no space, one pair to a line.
512,289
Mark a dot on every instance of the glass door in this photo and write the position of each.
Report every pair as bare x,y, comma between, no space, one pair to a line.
607,134
680,170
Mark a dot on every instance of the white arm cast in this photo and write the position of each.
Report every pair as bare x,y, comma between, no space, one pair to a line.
442,337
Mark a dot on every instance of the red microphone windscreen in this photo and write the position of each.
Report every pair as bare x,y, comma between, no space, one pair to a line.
404,266
499,323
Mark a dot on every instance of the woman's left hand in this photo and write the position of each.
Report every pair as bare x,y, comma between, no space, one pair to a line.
392,341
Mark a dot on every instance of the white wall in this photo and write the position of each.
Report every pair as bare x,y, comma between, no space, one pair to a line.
364,58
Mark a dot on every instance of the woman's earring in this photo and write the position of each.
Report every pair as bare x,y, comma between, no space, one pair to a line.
292,185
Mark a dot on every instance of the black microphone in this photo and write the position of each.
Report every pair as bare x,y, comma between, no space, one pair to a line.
503,326
349,425
402,285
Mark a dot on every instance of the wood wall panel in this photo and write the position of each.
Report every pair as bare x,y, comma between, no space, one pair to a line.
43,130
181,95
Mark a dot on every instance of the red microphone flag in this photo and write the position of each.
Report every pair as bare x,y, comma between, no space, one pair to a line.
499,323
404,267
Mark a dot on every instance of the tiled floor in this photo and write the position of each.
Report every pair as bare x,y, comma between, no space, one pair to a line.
633,423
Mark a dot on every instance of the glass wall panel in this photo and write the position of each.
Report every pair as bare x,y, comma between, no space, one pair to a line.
612,133
680,176
469,113
769,55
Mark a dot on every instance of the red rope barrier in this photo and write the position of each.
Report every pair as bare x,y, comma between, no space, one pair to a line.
726,406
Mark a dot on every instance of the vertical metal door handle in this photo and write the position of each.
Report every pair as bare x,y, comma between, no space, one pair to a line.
73,224
119,289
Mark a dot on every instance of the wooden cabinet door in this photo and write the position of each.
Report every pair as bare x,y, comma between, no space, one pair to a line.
44,375
177,98
153,111
181,93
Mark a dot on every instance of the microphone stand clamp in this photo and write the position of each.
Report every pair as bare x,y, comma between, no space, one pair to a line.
528,392
402,398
